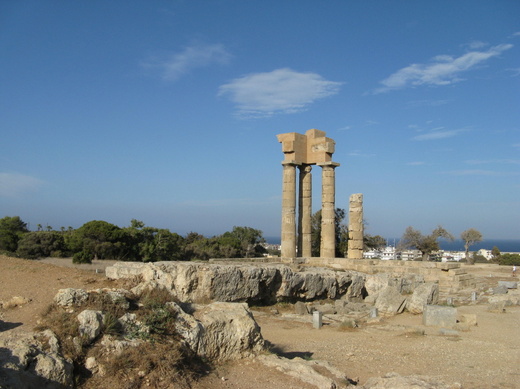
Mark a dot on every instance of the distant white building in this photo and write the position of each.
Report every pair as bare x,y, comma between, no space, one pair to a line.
485,253
388,253
410,255
450,256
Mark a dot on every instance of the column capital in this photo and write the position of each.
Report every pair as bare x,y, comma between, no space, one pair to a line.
328,164
291,163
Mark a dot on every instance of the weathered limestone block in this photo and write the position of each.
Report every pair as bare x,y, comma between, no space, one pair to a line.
90,324
125,269
508,299
306,371
424,294
32,361
390,301
508,284
70,296
404,284
501,289
441,316
229,331
356,290
192,282
300,308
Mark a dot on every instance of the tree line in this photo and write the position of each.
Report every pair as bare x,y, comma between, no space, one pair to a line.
98,239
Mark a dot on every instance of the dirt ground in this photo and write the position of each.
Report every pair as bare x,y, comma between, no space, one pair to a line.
487,356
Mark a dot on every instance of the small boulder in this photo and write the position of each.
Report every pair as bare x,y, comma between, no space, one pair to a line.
70,296
508,284
424,294
300,308
501,289
390,301
438,315
90,324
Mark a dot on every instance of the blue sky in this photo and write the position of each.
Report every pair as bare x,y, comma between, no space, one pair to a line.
168,111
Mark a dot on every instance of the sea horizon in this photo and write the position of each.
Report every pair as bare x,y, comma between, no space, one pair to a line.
504,245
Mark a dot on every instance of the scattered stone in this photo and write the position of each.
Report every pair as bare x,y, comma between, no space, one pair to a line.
498,307
15,301
90,324
424,294
317,319
70,296
469,318
306,371
441,316
508,284
509,299
390,301
27,362
229,331
325,309
300,308
501,289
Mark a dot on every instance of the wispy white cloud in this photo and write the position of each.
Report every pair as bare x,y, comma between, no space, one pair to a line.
473,45
416,163
279,91
346,128
476,172
13,184
195,56
437,133
442,70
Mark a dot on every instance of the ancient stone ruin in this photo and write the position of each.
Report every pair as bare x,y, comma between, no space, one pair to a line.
303,151
355,227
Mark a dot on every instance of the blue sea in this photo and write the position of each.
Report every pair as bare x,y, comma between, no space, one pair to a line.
504,245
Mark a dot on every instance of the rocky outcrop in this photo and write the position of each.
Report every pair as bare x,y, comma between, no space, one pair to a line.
262,284
34,361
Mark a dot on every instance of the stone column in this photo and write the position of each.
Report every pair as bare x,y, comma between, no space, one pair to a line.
305,212
288,249
355,227
328,214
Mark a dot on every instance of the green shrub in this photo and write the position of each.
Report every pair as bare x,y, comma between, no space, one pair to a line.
82,257
509,259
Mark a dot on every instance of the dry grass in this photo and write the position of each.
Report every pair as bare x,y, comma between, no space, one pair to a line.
155,365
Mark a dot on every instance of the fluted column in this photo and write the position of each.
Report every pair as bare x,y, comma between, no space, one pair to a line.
355,227
288,243
305,211
328,215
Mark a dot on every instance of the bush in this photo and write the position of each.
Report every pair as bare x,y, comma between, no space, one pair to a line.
82,257
509,259
40,244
